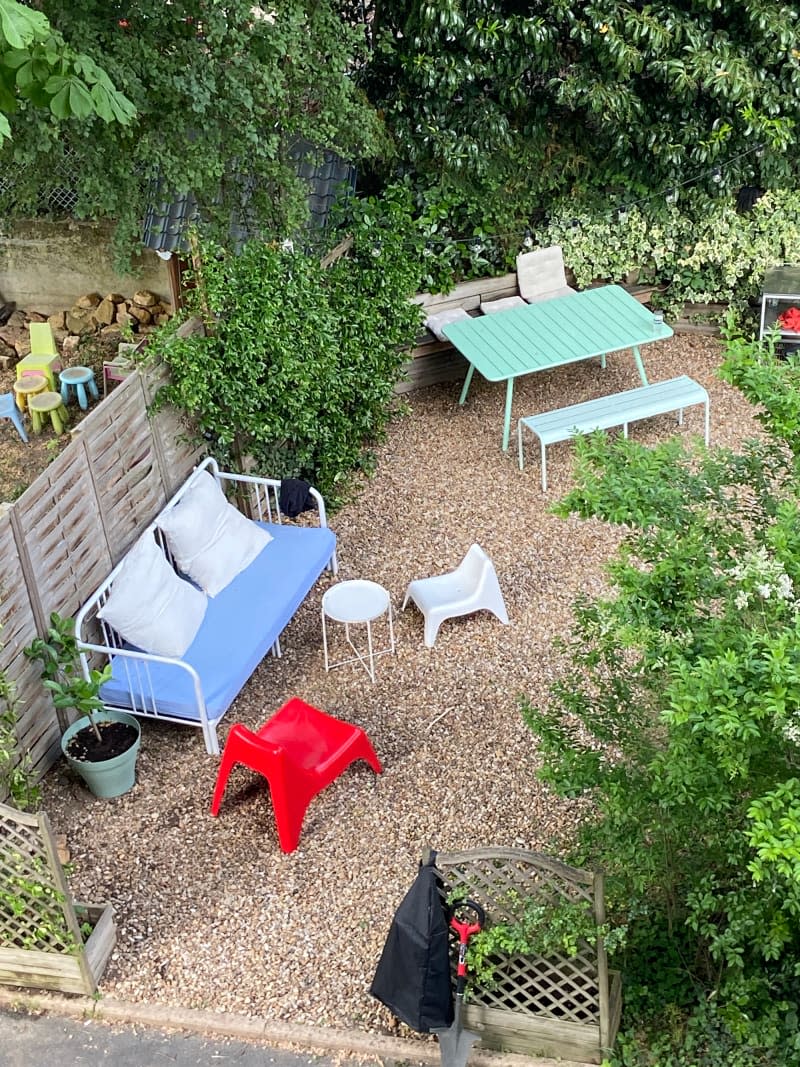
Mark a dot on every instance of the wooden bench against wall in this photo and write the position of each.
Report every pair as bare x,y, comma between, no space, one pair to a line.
430,360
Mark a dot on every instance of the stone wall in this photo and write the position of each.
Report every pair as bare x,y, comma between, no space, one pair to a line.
44,264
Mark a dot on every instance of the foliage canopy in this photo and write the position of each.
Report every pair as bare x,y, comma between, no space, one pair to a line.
224,95
537,98
38,67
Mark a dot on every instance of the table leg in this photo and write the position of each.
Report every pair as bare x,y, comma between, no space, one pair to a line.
507,420
467,381
371,668
391,629
325,639
639,365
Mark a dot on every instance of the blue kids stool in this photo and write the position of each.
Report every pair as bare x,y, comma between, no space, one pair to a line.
78,379
9,410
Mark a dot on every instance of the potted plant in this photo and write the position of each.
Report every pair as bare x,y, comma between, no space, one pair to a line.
102,750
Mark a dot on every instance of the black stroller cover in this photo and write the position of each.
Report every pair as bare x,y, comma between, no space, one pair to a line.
413,974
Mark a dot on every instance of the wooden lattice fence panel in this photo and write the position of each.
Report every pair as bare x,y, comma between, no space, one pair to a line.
172,433
123,463
62,533
37,731
41,942
557,1005
60,539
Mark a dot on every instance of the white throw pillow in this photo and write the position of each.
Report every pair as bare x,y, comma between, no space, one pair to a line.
210,540
150,606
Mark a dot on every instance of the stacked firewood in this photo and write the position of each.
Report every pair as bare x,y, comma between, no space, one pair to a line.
111,317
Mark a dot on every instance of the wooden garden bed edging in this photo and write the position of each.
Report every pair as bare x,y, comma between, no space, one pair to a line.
553,1006
36,908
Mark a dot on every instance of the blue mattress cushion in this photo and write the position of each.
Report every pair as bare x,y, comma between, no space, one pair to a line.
240,626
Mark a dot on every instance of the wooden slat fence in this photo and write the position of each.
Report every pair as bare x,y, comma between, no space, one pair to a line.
59,540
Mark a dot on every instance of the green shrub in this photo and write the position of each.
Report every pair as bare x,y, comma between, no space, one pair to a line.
680,719
299,368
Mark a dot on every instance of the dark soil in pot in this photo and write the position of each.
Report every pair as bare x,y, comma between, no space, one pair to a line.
115,738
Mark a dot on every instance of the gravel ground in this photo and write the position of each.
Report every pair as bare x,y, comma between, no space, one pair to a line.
210,913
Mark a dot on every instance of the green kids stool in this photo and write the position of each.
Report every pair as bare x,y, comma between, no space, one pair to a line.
44,355
48,403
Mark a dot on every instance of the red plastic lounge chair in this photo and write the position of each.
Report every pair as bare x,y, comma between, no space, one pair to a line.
299,751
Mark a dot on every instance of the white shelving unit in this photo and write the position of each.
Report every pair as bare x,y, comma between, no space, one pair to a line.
781,291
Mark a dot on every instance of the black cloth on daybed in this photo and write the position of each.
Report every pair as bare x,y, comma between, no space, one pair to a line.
294,497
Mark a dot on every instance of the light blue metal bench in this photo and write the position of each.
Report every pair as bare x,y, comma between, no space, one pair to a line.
618,409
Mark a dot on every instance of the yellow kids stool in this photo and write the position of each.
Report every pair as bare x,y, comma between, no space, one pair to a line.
27,386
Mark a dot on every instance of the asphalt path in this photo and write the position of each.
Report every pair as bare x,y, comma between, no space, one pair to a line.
48,1041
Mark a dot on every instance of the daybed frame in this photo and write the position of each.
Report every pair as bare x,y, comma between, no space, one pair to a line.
264,602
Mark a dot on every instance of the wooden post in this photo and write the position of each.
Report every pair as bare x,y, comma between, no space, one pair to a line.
602,961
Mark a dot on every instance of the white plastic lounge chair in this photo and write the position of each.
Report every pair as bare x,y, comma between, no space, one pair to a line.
473,586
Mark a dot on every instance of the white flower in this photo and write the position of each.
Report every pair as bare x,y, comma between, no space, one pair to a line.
785,587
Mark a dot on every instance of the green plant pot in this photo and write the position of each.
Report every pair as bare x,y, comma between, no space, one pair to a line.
111,777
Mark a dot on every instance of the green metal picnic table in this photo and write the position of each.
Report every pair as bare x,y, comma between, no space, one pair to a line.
508,344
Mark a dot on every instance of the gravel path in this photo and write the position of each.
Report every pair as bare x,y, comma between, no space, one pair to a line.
210,913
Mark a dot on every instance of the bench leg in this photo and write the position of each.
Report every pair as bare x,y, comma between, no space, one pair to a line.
624,429
680,416
544,467
519,444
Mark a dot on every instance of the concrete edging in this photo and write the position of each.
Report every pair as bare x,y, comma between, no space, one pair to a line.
317,1040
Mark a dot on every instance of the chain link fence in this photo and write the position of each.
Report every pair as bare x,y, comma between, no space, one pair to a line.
58,196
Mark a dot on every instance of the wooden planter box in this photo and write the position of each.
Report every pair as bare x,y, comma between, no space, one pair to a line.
79,972
565,1007
507,1030
36,907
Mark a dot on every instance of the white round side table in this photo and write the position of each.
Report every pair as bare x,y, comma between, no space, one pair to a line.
357,601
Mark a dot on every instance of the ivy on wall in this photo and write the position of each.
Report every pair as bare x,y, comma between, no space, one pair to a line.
702,250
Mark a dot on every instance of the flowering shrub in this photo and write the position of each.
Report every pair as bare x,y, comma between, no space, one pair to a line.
680,718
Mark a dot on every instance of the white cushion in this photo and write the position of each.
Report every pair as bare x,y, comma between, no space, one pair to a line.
505,303
150,606
210,540
442,318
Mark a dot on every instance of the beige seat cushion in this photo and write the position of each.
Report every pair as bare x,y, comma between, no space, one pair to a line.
435,323
541,274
